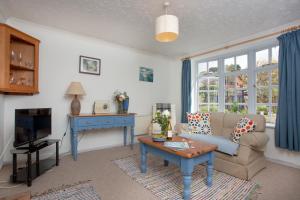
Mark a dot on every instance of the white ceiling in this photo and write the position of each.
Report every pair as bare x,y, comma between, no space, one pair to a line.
203,23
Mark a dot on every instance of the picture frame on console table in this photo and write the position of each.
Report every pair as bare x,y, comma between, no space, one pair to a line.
89,65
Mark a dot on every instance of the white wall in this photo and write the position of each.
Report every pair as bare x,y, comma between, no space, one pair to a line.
59,60
279,155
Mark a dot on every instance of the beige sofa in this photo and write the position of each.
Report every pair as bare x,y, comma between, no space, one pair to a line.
250,154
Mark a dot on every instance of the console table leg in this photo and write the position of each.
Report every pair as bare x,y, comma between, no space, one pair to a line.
14,178
57,153
131,136
29,178
125,135
74,143
210,169
143,158
187,167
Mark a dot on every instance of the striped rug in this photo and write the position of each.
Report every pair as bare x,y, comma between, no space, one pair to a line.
166,182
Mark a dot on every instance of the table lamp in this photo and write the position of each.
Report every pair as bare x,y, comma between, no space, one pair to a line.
75,89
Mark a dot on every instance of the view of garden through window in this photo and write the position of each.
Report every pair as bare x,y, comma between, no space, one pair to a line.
234,81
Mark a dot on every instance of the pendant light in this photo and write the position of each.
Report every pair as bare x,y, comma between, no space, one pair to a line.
166,28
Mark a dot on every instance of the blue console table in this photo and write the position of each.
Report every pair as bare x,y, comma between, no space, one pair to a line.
85,122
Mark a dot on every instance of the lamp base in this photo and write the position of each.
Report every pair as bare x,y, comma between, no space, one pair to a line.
75,106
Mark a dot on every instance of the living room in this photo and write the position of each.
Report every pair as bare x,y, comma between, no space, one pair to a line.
120,37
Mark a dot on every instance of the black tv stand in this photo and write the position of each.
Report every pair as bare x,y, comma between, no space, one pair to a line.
33,170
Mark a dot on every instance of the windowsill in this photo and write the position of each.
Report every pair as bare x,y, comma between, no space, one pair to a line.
270,125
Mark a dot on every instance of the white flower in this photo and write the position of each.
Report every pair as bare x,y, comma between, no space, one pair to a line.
166,113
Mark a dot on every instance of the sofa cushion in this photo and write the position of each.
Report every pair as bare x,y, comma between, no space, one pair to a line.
231,119
216,123
259,120
199,123
244,126
224,145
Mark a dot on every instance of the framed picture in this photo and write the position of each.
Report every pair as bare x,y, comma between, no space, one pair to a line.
88,65
101,106
146,74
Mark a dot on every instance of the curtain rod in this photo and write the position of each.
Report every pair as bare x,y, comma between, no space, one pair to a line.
293,28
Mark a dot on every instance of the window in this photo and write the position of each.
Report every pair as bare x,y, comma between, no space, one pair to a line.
208,83
267,83
236,83
244,83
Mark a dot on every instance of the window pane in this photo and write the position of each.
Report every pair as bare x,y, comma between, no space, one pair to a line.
202,68
213,83
203,97
262,58
229,96
213,108
228,108
229,82
243,109
275,51
213,97
274,94
275,76
242,81
263,110
242,96
273,114
242,62
213,66
262,79
203,85
203,108
262,95
229,64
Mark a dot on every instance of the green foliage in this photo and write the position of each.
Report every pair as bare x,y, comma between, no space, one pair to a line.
162,120
235,107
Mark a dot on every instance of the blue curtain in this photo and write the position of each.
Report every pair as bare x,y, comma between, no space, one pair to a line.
287,130
185,89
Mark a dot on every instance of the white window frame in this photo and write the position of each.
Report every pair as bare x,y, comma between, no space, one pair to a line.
250,71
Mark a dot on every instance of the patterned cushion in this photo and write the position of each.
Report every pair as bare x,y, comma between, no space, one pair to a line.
199,123
244,126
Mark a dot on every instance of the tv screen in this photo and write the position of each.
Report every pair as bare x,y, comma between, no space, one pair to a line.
31,125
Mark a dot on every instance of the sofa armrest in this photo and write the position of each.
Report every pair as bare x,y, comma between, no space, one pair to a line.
181,128
255,140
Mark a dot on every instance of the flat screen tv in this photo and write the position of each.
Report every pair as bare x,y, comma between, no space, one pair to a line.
31,125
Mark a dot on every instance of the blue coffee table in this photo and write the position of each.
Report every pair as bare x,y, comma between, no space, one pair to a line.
199,153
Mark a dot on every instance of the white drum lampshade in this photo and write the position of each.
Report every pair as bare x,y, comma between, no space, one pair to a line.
166,29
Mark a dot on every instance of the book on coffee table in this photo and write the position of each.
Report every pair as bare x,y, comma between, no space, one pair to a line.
177,145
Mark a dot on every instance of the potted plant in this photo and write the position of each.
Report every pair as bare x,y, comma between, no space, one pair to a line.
163,119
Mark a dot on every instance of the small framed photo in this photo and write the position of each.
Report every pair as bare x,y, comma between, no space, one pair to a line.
88,65
146,74
101,106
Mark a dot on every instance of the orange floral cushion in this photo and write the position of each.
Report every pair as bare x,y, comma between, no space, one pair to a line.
244,126
199,123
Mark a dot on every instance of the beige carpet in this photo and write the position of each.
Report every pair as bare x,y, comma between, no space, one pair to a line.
278,182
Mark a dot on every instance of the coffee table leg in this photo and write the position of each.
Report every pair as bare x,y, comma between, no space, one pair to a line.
187,167
210,169
166,163
143,158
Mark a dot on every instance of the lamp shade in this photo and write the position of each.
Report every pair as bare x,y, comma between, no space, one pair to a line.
75,88
166,28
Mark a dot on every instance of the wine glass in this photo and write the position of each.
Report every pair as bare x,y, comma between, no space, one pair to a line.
20,58
12,56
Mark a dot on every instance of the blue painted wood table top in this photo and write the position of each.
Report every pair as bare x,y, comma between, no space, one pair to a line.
198,153
86,122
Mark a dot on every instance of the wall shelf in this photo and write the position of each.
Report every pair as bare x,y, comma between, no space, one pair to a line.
18,62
